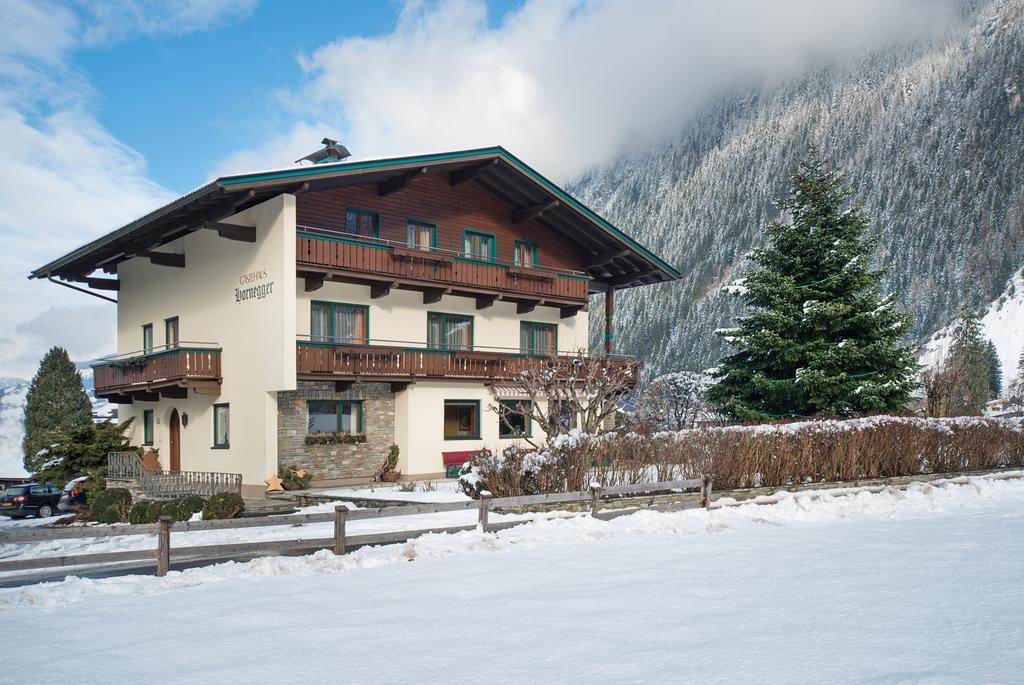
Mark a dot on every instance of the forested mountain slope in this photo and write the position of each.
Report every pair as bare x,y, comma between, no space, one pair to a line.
931,136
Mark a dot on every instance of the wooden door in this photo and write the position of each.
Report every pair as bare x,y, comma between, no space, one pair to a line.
174,428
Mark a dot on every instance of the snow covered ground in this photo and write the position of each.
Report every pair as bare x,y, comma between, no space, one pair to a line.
441,491
905,586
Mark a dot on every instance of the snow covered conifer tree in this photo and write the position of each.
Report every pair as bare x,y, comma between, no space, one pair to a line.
56,402
817,336
995,371
971,351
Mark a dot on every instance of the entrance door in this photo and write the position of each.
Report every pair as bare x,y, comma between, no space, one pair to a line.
175,441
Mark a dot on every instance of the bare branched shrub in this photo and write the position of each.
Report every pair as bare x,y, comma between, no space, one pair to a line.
762,455
575,391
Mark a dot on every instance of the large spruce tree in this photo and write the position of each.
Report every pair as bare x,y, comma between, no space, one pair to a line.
817,338
56,405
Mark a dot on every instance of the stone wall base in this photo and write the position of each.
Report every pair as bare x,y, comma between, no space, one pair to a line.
336,462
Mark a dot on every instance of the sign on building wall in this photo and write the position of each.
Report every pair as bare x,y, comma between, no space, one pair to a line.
254,285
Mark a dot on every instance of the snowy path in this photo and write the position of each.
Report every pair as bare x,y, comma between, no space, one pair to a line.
922,585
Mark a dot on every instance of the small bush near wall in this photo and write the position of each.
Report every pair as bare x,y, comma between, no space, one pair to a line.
111,506
146,511
334,438
226,505
754,456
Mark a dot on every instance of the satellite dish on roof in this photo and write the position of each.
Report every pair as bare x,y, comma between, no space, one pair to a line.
330,153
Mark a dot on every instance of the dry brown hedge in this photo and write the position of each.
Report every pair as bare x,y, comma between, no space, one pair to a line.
760,455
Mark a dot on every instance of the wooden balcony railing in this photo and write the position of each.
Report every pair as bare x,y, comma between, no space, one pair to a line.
187,365
437,267
379,362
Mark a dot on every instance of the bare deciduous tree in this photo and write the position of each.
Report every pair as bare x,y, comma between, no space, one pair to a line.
572,391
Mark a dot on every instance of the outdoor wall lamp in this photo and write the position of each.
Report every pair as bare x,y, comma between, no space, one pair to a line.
184,419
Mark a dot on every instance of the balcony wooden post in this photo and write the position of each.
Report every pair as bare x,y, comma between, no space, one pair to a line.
609,326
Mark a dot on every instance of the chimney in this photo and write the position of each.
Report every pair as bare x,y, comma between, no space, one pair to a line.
329,154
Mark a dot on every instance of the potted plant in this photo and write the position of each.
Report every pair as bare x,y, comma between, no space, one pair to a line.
388,474
294,478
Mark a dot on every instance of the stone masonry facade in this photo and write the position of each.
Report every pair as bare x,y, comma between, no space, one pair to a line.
336,462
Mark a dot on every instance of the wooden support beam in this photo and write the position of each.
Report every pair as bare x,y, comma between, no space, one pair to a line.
393,185
164,258
342,386
602,259
102,283
399,386
629,278
119,399
526,307
202,388
143,396
381,289
244,234
432,295
314,282
174,393
469,173
527,213
485,301
609,320
569,312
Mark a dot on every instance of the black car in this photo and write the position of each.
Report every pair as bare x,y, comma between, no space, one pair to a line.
32,498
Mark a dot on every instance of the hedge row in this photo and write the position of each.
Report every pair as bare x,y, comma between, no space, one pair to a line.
758,455
115,505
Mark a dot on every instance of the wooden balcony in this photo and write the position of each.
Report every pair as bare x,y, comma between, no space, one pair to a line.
374,363
168,372
435,270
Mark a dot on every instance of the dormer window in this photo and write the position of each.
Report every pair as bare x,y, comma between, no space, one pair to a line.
420,235
526,253
480,245
362,223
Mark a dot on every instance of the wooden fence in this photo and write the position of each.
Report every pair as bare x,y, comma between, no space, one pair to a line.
340,542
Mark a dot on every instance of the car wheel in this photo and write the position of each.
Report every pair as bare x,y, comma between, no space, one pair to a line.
45,511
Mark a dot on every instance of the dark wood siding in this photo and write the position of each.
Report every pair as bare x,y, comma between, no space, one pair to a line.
433,200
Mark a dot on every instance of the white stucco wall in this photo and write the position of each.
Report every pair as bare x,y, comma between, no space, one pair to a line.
401,316
257,336
419,425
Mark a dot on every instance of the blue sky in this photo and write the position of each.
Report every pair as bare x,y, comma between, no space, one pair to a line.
187,101
109,109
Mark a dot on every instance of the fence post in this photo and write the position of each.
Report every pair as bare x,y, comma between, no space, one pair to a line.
595,498
705,492
163,549
485,505
340,516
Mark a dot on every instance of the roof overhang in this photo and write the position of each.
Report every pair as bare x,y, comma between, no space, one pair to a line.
612,258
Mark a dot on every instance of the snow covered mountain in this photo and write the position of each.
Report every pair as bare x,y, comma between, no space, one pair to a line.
931,136
1002,322
12,431
13,392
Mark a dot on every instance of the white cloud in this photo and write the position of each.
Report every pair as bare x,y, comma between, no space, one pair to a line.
64,178
111,20
564,83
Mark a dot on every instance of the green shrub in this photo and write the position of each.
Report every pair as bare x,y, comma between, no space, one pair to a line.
145,512
187,506
111,505
225,505
334,438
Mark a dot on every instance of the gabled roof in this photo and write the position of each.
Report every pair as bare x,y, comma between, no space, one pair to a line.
612,258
